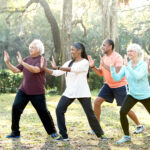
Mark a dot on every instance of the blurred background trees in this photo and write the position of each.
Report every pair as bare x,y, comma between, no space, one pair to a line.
58,23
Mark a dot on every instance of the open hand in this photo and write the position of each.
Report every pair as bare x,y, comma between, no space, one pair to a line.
19,58
125,60
6,57
42,62
53,63
91,61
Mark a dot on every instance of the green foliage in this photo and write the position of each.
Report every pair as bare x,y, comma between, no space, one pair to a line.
9,82
17,31
95,82
34,136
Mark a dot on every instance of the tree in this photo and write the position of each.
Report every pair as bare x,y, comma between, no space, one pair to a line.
109,20
54,26
66,36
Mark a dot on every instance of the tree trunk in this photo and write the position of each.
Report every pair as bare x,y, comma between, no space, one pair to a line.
54,26
66,37
109,20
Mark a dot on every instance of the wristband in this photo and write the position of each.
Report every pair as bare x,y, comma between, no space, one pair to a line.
93,67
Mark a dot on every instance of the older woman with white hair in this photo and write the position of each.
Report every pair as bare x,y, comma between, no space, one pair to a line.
136,73
32,89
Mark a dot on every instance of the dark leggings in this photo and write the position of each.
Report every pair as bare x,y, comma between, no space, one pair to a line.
87,106
129,102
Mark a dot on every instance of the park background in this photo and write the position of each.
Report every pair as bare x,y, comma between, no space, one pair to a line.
59,23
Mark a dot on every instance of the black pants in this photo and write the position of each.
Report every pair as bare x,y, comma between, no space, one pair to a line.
129,102
87,106
39,103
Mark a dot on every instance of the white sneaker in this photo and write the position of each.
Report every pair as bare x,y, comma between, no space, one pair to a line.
125,139
62,139
91,132
139,129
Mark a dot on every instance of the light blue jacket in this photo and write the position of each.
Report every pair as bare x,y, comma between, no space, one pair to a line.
137,78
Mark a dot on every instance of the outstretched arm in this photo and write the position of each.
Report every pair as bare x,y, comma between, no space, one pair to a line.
67,69
118,76
9,65
33,69
92,65
50,71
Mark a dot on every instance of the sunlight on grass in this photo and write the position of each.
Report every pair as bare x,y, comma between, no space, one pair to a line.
33,135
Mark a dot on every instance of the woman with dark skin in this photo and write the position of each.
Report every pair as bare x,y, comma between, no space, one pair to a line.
76,73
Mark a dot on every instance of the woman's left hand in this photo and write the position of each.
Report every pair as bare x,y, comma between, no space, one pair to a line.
42,62
19,58
125,60
53,63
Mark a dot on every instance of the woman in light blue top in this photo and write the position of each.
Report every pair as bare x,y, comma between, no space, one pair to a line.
136,73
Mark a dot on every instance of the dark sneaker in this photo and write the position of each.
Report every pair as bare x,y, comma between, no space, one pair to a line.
139,129
54,135
61,139
13,135
103,138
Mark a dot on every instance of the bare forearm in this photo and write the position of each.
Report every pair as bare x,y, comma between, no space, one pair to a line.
12,68
97,71
33,69
48,70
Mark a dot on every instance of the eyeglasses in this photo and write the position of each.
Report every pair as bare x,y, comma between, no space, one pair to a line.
32,47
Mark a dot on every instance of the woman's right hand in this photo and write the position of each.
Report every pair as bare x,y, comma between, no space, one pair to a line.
6,57
53,63
91,61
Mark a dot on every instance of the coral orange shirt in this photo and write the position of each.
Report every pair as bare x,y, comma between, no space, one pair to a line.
118,62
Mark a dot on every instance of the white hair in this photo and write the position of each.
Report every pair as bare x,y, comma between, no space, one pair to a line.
137,48
39,45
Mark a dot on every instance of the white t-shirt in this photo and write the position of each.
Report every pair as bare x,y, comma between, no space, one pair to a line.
76,80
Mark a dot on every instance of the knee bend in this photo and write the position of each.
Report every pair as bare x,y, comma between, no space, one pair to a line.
15,107
59,110
123,112
97,102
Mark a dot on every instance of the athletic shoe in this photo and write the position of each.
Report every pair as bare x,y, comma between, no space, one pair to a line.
139,129
91,132
54,135
103,138
126,138
62,139
13,135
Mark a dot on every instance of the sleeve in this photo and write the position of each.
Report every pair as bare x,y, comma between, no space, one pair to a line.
60,72
38,64
83,66
140,72
117,76
19,66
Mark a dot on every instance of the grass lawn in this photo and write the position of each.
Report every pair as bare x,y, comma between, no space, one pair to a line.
34,137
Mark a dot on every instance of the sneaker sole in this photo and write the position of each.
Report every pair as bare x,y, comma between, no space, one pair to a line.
16,137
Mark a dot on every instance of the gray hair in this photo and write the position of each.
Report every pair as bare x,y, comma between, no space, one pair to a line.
137,48
39,45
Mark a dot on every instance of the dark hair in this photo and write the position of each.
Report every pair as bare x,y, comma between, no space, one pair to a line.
78,46
110,42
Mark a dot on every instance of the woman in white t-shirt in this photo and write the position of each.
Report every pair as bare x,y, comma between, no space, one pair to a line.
76,73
